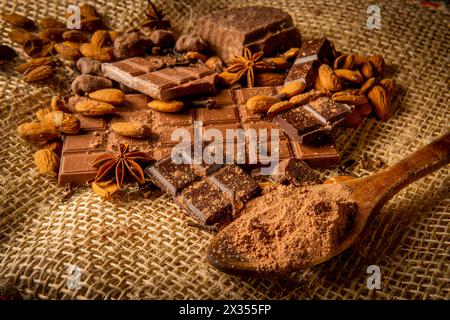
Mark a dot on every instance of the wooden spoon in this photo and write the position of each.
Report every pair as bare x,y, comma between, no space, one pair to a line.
370,194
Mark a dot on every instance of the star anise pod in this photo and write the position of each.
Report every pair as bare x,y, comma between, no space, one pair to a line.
121,162
247,64
155,18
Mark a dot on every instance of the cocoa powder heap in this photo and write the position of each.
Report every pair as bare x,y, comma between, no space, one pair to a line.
291,227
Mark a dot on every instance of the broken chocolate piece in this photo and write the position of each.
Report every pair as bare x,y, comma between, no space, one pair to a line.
258,28
314,121
311,55
294,171
205,202
148,75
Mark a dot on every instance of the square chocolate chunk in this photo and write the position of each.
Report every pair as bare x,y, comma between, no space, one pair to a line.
206,202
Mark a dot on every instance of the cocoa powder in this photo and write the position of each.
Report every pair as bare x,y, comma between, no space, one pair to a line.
291,227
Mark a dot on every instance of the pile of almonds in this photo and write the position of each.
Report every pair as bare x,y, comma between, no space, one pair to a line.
352,79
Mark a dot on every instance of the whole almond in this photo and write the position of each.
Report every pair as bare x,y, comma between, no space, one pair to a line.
226,78
40,114
39,73
359,59
36,62
94,108
48,23
38,47
268,79
92,51
293,88
166,106
354,77
351,99
194,55
111,96
389,85
21,36
88,11
349,62
261,103
306,97
37,132
131,129
68,51
367,85
214,63
339,61
364,109
64,122
279,107
105,189
74,35
99,38
46,161
379,98
346,92
54,34
378,63
328,79
91,24
18,20
54,145
279,63
291,53
367,70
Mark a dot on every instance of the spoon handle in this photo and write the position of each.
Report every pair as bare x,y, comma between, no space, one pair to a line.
385,184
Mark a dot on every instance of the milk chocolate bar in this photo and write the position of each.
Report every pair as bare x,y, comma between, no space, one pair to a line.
312,53
149,76
313,121
258,28
229,112
208,198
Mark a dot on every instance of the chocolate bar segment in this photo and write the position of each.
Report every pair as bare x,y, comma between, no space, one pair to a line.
311,55
258,28
228,115
313,121
149,76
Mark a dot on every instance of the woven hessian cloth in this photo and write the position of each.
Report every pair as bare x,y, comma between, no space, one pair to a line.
132,247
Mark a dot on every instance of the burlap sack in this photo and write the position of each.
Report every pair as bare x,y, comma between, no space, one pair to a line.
141,248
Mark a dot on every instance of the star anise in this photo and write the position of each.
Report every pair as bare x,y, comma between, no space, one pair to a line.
247,64
155,18
121,162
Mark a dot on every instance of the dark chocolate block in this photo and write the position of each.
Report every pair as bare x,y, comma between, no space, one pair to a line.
205,202
294,171
311,55
147,75
171,177
313,121
236,183
258,28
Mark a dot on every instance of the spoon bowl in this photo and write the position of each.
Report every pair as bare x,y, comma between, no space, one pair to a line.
369,193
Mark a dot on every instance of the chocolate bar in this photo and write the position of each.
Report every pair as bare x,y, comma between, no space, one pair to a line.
313,121
229,112
149,76
312,53
258,28
209,198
